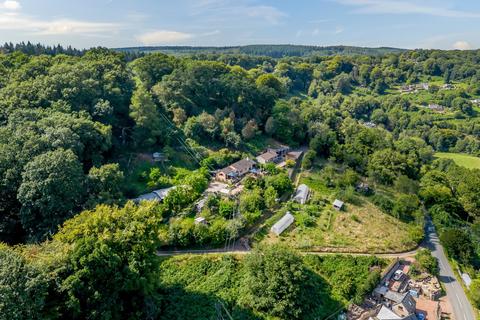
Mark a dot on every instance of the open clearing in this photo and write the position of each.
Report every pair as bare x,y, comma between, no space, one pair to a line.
357,229
464,160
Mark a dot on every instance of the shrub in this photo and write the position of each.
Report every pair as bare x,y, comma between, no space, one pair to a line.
427,262
384,203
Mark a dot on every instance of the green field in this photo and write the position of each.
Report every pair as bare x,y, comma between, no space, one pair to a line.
464,160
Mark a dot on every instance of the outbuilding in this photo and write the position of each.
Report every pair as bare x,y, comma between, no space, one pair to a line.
301,194
157,195
282,224
338,204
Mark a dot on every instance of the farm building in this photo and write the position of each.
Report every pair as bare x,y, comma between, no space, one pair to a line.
282,224
301,194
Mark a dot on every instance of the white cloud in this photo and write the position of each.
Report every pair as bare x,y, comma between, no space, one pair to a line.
228,10
462,45
10,5
405,7
316,32
11,18
210,33
20,22
318,21
163,37
270,14
338,30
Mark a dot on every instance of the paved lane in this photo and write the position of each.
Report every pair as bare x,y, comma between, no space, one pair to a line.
462,309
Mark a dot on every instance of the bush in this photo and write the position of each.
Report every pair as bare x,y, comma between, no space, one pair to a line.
427,262
384,203
475,292
348,195
304,219
458,244
308,159
274,277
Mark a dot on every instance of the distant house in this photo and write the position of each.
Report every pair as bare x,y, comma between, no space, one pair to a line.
236,170
158,156
407,88
157,195
436,107
281,150
448,86
200,220
424,86
268,157
338,204
301,194
282,224
370,124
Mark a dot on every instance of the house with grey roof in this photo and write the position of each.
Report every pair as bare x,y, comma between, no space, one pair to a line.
235,171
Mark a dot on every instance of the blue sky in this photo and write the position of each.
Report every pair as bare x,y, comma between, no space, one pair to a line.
444,24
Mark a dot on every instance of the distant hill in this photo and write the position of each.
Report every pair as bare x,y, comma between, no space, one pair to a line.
274,51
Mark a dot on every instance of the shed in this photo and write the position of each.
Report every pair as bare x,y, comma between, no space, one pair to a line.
301,194
282,224
338,204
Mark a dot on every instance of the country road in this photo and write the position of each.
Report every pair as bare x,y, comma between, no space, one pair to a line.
462,309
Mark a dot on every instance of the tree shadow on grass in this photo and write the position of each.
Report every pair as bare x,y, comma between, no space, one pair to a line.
179,304
317,298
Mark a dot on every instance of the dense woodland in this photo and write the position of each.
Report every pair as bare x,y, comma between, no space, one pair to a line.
273,51
70,123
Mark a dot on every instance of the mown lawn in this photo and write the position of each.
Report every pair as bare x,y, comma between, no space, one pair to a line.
464,160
